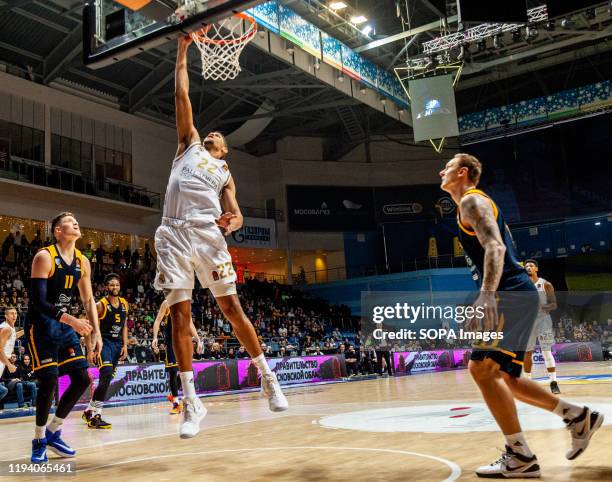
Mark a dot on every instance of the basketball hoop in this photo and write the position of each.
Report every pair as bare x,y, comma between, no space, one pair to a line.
221,44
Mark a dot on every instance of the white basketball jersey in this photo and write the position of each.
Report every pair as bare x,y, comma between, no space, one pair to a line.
542,293
10,343
195,185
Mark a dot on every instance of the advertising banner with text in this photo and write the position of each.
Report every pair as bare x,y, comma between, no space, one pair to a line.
139,382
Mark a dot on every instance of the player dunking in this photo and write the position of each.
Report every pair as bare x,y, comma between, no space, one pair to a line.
496,370
163,320
112,313
543,327
191,239
57,271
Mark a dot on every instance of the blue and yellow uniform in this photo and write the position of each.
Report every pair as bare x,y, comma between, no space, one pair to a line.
517,297
170,361
112,321
54,347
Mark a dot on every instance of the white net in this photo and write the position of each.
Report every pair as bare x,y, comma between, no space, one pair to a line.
222,43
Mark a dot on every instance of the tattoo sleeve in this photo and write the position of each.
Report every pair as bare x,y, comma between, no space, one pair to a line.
478,212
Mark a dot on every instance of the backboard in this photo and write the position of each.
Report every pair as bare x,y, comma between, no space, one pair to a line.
116,30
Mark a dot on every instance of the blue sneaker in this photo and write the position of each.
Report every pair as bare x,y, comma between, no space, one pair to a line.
58,446
39,451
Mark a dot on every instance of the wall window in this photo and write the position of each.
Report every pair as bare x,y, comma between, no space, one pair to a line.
25,142
71,154
116,165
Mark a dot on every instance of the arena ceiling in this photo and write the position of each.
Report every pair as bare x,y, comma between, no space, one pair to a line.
41,40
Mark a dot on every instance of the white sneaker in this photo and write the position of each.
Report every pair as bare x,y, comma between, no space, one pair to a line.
270,388
511,465
582,428
193,413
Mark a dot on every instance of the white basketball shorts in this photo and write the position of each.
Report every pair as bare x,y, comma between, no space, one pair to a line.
184,248
542,332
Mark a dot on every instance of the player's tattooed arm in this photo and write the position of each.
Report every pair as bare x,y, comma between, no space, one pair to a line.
477,212
551,298
232,219
186,131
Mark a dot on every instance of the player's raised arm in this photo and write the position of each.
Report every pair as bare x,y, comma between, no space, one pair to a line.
89,303
232,219
187,133
477,211
41,267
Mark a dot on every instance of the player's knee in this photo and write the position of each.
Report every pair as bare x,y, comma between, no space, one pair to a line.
484,370
47,383
231,308
549,359
80,378
106,374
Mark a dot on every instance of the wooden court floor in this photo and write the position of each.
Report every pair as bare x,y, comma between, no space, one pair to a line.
427,427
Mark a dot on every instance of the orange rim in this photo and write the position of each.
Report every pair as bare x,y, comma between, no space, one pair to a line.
200,35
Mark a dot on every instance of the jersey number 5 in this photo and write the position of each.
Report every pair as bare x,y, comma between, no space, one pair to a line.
117,318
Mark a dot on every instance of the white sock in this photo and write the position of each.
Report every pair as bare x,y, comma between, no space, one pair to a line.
91,407
55,424
39,432
527,374
262,364
518,444
567,411
552,376
188,385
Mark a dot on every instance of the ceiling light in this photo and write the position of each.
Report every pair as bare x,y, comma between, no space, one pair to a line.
531,33
567,22
550,25
363,90
340,78
337,5
383,101
358,19
498,42
367,30
401,111
290,48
